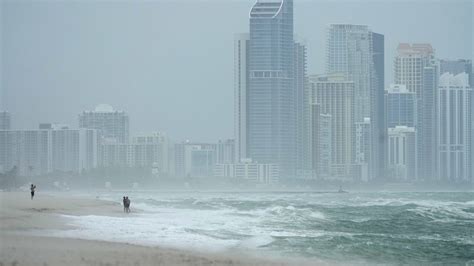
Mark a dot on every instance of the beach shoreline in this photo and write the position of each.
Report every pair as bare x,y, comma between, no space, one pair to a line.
20,244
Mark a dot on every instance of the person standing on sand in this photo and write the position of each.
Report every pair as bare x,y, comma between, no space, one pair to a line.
127,204
32,188
124,204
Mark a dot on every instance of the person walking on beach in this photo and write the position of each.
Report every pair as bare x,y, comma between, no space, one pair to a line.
32,188
127,204
124,204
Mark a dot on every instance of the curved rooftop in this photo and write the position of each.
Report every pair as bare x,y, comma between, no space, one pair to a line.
266,9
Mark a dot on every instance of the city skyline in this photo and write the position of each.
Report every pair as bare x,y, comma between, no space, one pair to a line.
25,94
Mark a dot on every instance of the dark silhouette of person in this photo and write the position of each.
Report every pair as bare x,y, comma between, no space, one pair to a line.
127,204
32,188
124,204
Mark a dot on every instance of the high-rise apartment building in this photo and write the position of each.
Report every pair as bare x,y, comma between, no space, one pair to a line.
400,106
358,53
401,153
335,94
195,159
456,67
455,127
37,152
109,123
416,68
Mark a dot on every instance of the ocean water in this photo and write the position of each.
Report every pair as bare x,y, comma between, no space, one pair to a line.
363,228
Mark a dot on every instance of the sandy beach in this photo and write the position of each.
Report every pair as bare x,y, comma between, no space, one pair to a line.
20,216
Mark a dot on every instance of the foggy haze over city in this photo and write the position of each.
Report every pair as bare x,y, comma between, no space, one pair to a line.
236,132
169,64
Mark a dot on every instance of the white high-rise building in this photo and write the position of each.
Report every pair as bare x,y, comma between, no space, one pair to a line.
400,106
145,151
249,171
37,152
402,153
416,68
109,123
455,129
335,94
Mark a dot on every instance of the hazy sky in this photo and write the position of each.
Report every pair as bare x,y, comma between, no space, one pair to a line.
169,64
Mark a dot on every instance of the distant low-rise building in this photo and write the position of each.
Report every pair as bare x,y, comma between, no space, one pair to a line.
143,151
249,171
195,159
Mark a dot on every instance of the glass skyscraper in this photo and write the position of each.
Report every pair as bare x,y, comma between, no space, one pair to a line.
271,96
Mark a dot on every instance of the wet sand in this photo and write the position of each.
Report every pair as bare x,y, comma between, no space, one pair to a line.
21,217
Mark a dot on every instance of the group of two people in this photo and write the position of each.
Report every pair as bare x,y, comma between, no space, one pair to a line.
126,204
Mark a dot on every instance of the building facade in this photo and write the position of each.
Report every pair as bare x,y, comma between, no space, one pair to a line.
38,152
195,159
109,123
335,94
400,106
271,95
456,67
401,153
416,68
147,151
249,171
358,53
455,127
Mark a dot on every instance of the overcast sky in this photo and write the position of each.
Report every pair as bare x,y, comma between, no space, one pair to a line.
169,64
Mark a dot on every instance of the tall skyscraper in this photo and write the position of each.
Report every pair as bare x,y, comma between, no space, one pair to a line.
5,120
455,127
109,123
456,67
241,47
415,67
358,53
335,94
350,51
302,111
270,94
400,106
